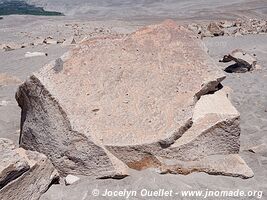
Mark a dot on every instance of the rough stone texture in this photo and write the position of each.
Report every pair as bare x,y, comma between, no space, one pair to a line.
34,54
70,179
128,100
24,174
214,131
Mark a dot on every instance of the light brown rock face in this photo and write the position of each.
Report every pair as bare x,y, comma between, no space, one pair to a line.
120,101
23,174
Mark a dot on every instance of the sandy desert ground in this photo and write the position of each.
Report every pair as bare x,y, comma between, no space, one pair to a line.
249,90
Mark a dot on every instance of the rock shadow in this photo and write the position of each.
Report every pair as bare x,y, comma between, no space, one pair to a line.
235,68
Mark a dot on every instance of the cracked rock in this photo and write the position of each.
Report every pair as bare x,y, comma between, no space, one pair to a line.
128,101
70,179
24,174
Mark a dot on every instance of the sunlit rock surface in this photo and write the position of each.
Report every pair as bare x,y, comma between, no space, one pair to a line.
130,101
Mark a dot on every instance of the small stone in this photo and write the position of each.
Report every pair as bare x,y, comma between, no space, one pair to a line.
34,54
70,179
215,29
175,109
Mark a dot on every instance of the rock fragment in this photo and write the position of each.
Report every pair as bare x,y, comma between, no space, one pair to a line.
195,28
23,174
70,179
244,61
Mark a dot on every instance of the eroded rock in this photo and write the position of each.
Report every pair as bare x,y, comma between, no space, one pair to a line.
131,101
23,174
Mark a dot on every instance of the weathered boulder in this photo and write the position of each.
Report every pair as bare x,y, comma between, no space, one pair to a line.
214,131
230,164
128,100
34,54
50,40
195,28
23,174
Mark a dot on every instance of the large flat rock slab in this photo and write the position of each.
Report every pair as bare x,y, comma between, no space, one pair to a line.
136,93
24,174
